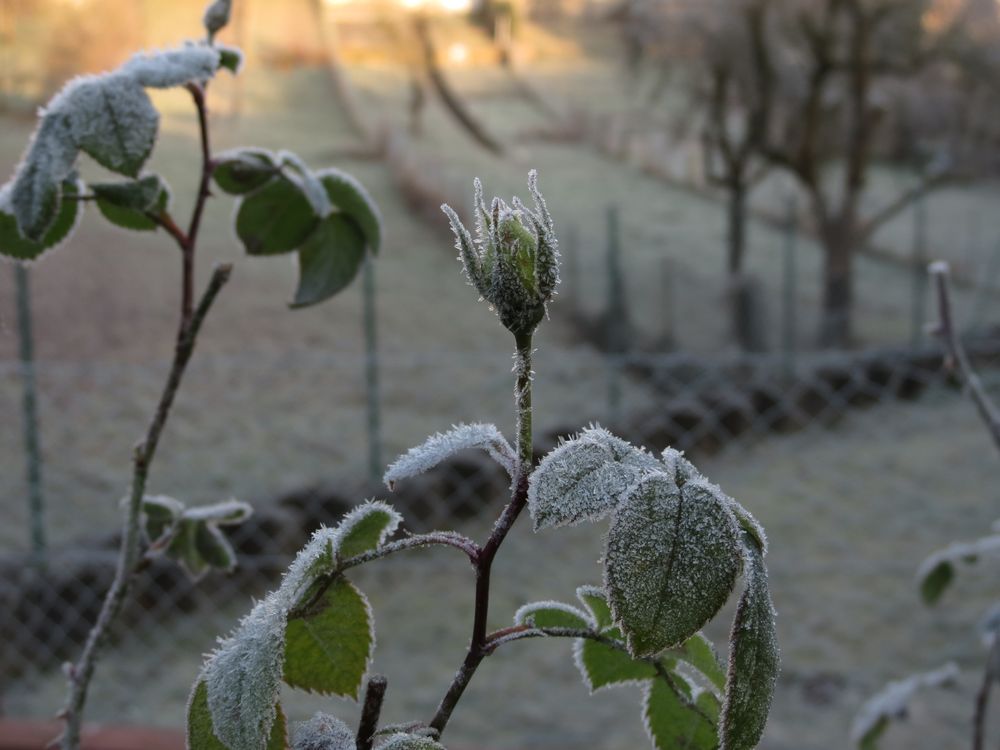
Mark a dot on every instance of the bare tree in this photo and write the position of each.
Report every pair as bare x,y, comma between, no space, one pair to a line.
833,72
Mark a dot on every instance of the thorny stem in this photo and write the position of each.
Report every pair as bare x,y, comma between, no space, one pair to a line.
81,673
521,632
957,357
478,646
990,675
374,695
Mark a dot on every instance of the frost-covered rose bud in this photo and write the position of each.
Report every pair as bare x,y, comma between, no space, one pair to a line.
217,16
514,260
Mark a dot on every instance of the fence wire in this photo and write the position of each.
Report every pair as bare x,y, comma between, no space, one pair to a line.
858,465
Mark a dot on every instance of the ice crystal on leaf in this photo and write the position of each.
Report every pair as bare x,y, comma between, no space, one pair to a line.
365,528
443,445
176,67
936,572
892,702
585,478
322,732
551,614
401,741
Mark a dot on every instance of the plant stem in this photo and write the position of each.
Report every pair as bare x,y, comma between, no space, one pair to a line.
374,695
957,357
81,673
478,646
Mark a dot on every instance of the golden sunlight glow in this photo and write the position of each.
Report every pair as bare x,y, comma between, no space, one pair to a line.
458,53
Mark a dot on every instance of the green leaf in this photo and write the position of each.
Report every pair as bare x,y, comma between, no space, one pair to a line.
675,721
937,571
115,123
34,193
401,741
328,260
697,651
242,171
328,652
275,219
753,659
585,479
230,58
213,547
226,513
672,559
552,615
602,665
14,245
159,514
200,732
596,601
350,196
365,528
126,204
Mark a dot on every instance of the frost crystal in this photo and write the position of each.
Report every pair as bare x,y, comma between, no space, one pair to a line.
443,445
365,528
410,742
322,732
585,478
309,183
552,614
893,701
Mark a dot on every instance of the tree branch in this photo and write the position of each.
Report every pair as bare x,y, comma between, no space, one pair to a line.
957,359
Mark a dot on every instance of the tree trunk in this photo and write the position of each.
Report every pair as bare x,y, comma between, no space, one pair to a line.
743,315
835,318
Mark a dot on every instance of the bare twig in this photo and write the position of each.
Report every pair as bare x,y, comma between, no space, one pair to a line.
990,675
957,359
374,695
130,561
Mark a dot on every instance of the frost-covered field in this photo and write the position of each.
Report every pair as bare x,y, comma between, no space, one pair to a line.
850,513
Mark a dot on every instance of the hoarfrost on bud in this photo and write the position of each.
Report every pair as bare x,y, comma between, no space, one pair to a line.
514,260
217,17
443,445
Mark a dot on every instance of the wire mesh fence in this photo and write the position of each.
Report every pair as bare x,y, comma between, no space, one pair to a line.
858,464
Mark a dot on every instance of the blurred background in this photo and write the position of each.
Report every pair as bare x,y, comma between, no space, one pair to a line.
747,194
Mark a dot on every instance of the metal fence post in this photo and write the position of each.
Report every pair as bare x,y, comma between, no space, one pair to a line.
372,372
789,329
29,403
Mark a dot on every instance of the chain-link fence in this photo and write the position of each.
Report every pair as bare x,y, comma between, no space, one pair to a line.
858,464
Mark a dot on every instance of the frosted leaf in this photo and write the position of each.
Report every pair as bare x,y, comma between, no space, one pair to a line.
749,524
242,170
467,253
201,732
243,677
672,560
322,732
596,601
938,570
227,513
112,118
551,614
12,242
308,183
230,58
34,193
602,665
169,68
676,717
352,198
699,653
585,478
679,468
753,659
443,445
365,528
401,741
892,702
